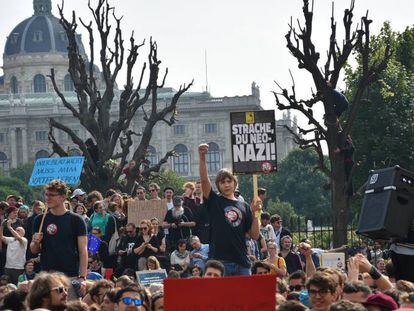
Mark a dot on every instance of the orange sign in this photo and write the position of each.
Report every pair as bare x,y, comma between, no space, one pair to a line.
229,293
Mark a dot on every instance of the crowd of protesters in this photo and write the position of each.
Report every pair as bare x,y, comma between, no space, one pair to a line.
49,263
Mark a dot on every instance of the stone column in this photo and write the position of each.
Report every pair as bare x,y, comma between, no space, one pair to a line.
25,146
13,143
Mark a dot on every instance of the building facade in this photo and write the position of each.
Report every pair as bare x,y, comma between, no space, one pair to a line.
27,100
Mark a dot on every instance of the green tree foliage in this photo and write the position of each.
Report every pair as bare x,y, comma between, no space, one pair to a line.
383,132
168,178
296,183
15,186
284,209
22,172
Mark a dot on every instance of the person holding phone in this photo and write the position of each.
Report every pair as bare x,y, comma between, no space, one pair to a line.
148,244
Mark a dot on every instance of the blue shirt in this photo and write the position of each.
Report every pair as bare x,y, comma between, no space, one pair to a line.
203,251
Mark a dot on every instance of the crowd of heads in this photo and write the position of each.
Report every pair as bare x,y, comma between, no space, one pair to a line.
179,245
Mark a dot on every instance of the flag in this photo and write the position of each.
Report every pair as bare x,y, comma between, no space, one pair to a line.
93,244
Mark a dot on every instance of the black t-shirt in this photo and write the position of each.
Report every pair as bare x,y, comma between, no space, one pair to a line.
59,244
128,244
147,252
175,234
229,222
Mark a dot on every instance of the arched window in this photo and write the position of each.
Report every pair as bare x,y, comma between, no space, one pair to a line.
14,87
213,158
68,83
181,161
42,154
152,156
39,84
4,163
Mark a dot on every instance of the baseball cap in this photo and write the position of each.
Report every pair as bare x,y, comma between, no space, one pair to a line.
381,300
177,200
77,192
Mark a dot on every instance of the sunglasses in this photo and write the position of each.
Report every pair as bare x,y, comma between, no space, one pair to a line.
144,228
129,300
152,190
295,288
60,289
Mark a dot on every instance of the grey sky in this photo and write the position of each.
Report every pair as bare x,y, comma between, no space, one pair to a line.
244,39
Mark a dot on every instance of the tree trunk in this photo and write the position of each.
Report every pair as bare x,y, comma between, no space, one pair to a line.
340,201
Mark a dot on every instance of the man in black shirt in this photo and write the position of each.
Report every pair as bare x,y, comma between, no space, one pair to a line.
178,221
230,219
126,248
62,241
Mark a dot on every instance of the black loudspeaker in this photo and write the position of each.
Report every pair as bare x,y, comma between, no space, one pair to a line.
388,206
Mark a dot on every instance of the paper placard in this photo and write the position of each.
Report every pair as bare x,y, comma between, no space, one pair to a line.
139,210
67,169
333,260
148,277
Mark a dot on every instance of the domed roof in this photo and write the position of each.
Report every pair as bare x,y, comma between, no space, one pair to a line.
39,34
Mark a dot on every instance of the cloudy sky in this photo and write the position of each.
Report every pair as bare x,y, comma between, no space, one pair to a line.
244,39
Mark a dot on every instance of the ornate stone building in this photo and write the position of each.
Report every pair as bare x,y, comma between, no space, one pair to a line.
27,99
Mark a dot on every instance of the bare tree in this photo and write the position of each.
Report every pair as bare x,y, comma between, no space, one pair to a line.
332,131
111,133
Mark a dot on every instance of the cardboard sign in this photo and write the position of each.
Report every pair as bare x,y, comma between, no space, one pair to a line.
67,169
253,139
228,293
148,277
333,260
139,210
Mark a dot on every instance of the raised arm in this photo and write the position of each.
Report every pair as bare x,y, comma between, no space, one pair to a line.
205,181
14,233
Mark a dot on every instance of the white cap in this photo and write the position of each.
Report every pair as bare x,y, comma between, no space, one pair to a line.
77,192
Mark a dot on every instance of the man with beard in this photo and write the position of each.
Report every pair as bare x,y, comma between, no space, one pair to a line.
49,291
179,222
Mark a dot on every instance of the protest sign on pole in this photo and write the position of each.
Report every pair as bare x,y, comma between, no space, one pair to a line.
139,210
67,169
229,293
253,139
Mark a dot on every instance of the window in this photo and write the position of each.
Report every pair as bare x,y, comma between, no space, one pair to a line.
179,129
14,37
151,156
41,135
210,128
213,158
68,83
14,88
2,138
42,154
38,36
181,160
63,36
39,84
4,163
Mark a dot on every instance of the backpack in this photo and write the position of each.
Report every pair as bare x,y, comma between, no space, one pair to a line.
114,241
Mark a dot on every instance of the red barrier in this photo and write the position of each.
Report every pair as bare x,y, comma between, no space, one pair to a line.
253,293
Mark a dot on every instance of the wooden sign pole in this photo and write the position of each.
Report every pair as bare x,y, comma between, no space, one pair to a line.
43,219
255,196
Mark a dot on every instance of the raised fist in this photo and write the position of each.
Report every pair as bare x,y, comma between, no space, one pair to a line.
202,149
